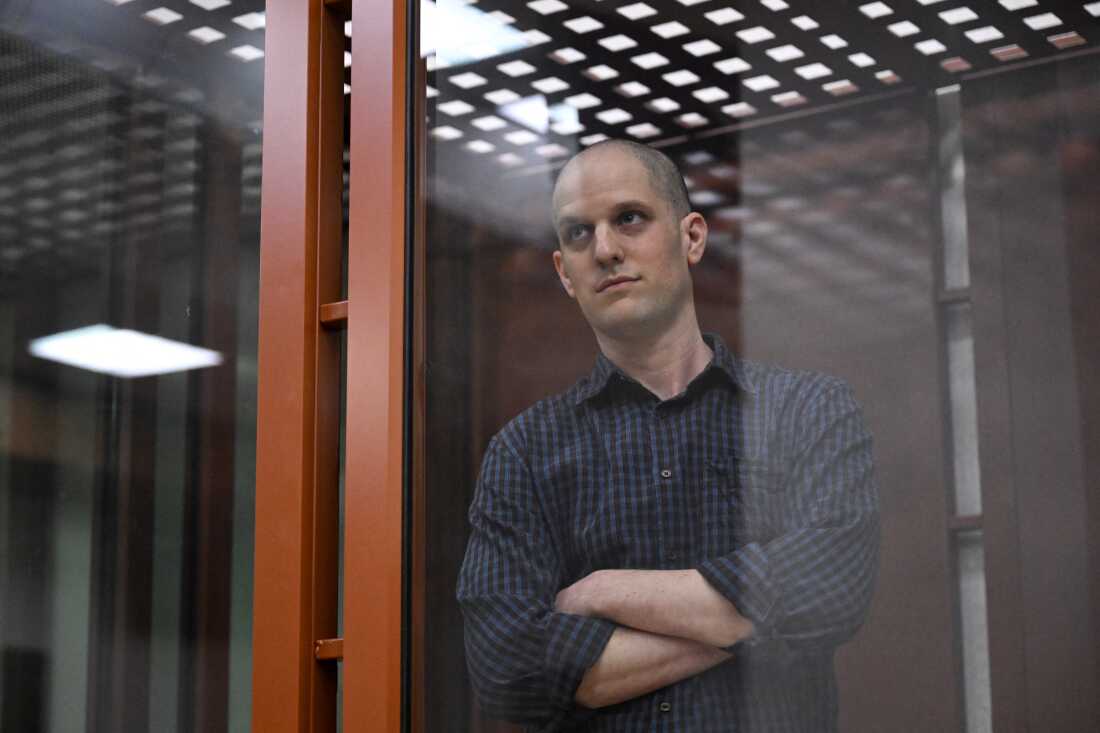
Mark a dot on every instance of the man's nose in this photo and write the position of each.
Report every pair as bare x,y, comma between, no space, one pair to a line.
608,248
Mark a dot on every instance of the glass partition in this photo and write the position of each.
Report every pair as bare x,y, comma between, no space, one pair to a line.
899,195
129,235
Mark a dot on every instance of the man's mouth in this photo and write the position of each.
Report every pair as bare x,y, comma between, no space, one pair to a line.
613,282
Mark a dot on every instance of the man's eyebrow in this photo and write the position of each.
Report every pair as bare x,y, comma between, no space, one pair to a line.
567,221
632,204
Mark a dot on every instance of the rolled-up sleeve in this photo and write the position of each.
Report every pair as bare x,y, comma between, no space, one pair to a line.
525,659
811,585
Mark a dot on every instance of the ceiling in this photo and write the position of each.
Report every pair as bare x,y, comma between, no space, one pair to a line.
558,75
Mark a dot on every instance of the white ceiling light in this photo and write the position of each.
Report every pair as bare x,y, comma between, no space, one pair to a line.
205,35
984,35
480,146
468,80
732,65
251,21
614,116
723,16
618,42
456,34
739,109
755,35
502,96
761,83
691,119
680,78
584,24
670,29
958,15
785,53
632,89
650,60
207,4
122,352
663,104
517,68
597,137
600,72
455,108
903,29
643,131
1042,22
875,10
547,7
704,47
247,53
550,85
813,71
930,47
488,123
162,16
567,55
834,41
636,11
583,101
710,95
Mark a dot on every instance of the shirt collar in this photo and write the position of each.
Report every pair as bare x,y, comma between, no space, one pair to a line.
723,361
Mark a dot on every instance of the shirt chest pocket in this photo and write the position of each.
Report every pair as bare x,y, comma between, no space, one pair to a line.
743,502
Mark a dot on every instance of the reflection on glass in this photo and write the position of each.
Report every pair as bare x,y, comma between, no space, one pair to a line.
844,232
974,630
129,217
964,411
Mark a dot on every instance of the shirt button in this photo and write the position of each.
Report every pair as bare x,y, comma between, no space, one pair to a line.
665,473
665,707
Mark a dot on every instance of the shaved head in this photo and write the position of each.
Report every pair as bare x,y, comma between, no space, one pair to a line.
664,176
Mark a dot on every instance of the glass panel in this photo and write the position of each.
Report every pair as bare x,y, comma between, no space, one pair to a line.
901,196
963,409
129,246
974,628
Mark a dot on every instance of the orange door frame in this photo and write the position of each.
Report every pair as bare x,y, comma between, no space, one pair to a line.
298,411
295,648
376,383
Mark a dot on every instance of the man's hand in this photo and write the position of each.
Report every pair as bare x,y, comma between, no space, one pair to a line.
676,603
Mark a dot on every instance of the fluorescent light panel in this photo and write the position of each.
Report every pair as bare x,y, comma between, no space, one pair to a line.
122,352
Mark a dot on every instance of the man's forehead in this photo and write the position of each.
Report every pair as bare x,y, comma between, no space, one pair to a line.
607,171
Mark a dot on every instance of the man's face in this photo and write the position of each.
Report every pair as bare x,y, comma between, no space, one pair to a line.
623,255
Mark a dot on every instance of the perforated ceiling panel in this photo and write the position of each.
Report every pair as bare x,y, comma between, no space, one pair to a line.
103,132
556,73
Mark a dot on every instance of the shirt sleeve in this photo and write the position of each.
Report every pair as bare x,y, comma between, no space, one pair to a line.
811,585
525,659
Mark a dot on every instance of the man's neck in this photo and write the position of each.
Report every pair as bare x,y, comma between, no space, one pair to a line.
664,363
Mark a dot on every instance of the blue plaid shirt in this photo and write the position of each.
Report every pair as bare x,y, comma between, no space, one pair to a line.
758,477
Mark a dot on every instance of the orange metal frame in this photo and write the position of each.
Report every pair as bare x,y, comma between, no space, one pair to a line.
375,369
295,648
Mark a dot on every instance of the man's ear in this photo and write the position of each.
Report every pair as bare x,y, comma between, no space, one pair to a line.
562,275
693,235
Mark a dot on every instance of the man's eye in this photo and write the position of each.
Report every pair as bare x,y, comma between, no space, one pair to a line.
575,232
630,217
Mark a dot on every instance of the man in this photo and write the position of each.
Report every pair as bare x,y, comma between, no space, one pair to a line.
681,540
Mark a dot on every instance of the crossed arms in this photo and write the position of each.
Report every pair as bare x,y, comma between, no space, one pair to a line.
672,625
540,643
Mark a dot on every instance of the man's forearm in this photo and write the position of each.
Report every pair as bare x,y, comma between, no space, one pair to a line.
677,603
637,662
